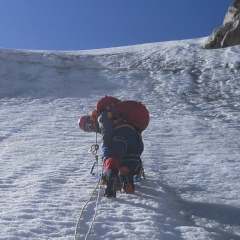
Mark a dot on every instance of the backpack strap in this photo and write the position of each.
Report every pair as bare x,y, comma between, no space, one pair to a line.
123,124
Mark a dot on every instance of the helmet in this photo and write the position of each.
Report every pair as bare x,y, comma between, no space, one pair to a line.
86,124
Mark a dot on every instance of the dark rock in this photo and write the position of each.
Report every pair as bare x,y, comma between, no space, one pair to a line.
229,33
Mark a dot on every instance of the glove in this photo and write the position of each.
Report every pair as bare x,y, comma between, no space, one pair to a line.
106,152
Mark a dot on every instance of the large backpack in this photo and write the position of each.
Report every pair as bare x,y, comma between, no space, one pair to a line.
131,112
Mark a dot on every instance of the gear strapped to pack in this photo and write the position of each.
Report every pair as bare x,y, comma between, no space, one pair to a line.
129,112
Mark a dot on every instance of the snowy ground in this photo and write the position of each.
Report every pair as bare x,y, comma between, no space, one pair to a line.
192,145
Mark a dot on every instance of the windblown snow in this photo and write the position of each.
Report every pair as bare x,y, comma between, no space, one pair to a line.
192,145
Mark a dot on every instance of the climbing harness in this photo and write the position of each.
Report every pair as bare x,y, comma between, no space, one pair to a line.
94,148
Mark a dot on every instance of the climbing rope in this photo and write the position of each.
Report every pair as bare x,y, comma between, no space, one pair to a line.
94,148
81,213
96,206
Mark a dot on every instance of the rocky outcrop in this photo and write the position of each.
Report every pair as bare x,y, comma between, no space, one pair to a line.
229,33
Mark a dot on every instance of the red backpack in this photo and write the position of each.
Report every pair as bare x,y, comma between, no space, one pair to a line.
132,112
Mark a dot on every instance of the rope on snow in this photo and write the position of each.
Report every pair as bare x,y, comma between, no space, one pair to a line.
81,213
94,148
96,206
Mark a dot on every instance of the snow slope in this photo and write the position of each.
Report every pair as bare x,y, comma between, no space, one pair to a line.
192,144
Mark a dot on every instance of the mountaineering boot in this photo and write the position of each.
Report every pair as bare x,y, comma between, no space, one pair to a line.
113,183
109,191
127,180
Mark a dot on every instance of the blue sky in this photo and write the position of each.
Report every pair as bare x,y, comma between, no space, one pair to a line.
93,24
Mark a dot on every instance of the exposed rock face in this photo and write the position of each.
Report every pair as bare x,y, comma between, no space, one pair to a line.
229,33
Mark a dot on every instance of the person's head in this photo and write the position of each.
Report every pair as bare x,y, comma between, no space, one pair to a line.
86,124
